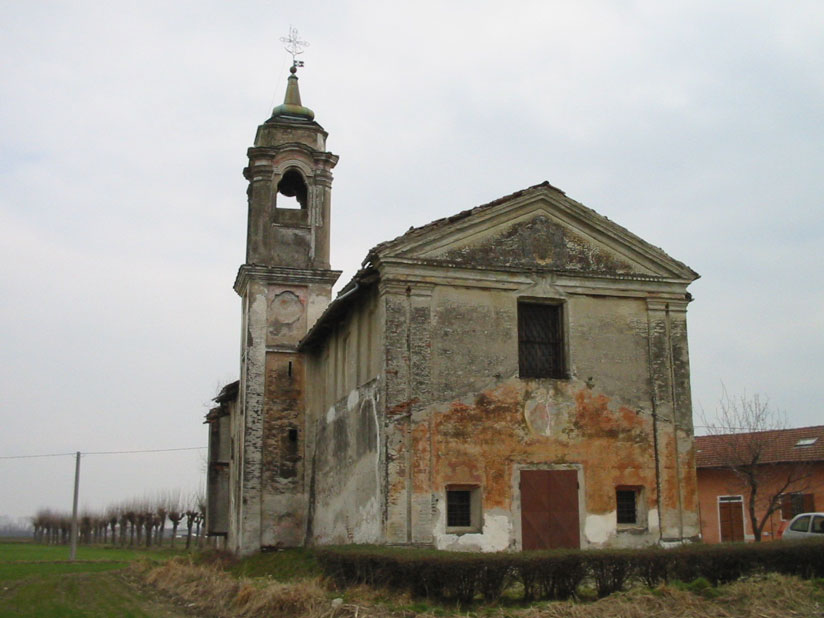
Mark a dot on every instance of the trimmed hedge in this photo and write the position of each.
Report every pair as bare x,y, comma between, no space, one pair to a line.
558,574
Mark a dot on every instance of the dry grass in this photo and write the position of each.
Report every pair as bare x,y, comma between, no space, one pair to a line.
774,596
212,592
207,590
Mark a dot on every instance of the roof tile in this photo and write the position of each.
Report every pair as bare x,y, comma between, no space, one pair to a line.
779,446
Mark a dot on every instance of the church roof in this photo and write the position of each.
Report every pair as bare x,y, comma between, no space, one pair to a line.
545,187
409,242
414,232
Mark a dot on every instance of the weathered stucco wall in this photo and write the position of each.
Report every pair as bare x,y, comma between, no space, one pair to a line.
346,479
267,487
345,466
455,402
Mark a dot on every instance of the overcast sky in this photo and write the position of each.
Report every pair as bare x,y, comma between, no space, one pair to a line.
124,128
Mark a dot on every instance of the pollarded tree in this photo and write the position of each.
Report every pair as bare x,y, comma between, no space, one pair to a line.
112,515
140,520
85,521
40,523
123,522
174,511
148,523
160,520
743,438
64,526
192,517
131,516
200,499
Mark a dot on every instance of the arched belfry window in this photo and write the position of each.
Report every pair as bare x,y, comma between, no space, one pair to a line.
292,185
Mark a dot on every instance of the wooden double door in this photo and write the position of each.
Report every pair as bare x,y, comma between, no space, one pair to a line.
731,517
549,509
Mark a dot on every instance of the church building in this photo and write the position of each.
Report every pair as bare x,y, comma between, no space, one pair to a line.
514,376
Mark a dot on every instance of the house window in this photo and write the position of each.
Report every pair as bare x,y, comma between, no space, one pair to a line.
793,504
627,507
463,509
541,341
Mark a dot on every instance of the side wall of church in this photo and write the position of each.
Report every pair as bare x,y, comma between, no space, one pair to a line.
345,469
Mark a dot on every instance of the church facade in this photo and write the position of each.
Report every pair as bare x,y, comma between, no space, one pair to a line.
515,376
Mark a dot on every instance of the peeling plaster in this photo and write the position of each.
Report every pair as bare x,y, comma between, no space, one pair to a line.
598,528
353,399
496,532
652,520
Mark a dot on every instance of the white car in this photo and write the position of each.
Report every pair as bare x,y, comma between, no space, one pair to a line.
805,525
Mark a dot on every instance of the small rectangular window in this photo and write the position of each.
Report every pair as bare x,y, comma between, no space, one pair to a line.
793,504
627,508
541,341
458,508
463,509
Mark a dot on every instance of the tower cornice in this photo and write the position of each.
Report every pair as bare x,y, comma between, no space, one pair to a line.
282,275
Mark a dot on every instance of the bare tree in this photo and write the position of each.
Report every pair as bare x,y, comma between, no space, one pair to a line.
743,435
123,522
200,499
112,515
161,513
174,511
192,513
132,517
148,521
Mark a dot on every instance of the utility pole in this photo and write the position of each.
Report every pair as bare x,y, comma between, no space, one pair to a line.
73,551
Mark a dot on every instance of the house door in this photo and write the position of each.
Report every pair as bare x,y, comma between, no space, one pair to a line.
549,509
731,515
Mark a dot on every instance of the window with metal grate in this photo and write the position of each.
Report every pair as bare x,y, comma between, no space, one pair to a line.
626,511
541,341
458,508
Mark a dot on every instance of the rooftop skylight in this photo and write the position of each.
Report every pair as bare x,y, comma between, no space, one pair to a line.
806,442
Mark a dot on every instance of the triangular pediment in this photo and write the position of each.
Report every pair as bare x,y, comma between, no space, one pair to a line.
535,241
539,228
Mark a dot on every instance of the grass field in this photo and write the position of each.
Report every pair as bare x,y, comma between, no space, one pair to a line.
18,551
38,580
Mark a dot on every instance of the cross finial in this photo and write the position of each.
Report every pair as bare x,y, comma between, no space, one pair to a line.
293,46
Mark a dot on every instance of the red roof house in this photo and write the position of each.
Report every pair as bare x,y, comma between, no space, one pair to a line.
786,464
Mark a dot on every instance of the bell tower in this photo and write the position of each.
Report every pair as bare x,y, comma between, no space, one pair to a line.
285,284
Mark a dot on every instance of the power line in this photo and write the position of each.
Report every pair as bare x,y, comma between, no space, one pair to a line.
34,456
152,450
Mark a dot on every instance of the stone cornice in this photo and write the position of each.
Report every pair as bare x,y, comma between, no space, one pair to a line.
403,287
397,273
282,275
441,264
667,304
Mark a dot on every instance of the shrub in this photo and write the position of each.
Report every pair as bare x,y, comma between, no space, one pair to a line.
610,570
557,574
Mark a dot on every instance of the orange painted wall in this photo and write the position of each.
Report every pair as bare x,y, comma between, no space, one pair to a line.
716,482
